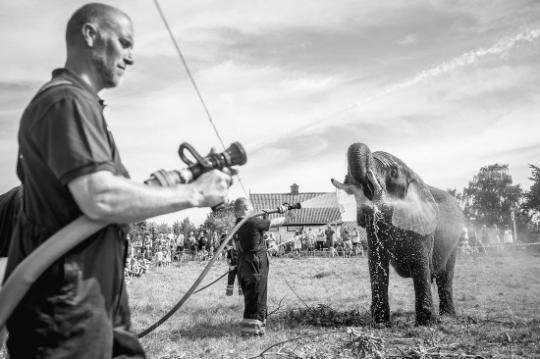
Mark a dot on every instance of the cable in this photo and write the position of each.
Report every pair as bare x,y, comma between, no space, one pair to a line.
177,47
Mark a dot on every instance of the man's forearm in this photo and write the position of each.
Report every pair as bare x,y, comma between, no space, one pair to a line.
106,197
128,201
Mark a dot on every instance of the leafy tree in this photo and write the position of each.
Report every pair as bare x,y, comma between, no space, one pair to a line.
490,197
530,208
531,201
220,221
184,227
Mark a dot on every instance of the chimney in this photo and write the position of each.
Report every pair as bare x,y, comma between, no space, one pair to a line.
294,188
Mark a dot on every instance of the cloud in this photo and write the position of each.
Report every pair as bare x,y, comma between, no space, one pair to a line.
407,40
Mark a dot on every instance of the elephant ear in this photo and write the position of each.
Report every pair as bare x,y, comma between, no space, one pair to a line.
417,211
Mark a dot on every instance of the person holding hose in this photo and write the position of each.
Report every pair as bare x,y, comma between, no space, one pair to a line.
253,265
69,165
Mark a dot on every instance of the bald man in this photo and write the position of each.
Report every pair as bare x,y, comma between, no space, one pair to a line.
69,165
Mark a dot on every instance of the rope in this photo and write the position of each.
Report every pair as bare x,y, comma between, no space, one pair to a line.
192,79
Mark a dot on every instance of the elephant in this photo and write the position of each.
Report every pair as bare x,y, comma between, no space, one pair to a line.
409,224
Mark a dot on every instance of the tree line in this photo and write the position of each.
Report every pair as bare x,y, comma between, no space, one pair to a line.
491,198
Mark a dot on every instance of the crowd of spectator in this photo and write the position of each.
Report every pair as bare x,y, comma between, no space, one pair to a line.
327,240
163,248
475,240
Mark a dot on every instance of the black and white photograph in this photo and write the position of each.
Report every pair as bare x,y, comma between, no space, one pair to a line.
269,179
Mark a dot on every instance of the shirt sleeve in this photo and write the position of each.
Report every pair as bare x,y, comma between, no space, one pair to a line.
74,139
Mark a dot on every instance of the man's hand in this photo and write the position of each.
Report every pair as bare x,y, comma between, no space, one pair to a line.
282,209
211,188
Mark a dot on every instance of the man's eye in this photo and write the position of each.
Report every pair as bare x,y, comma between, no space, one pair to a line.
125,43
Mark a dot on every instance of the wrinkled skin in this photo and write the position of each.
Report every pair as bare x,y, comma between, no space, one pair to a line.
410,225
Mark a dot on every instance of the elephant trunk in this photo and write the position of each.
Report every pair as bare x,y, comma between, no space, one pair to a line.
360,163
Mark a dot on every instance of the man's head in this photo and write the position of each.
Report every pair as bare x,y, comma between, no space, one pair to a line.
99,40
242,207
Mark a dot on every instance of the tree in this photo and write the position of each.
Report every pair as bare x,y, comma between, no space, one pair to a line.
221,221
490,197
532,196
531,204
184,227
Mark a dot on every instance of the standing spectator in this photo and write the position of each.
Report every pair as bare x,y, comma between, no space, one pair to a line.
319,244
476,243
484,235
297,242
215,242
192,244
330,241
347,241
507,236
202,241
310,240
232,260
356,246
180,240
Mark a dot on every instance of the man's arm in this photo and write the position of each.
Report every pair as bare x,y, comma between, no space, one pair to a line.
103,196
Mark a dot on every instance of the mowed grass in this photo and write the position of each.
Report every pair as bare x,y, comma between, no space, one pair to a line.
497,298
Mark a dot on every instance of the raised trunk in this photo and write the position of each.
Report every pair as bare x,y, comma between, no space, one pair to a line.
360,163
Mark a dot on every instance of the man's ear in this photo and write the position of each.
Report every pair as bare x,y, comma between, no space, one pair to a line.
90,33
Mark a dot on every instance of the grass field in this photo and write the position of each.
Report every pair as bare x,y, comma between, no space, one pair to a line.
497,299
320,305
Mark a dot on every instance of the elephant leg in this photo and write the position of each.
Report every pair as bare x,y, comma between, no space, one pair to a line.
378,273
421,274
444,285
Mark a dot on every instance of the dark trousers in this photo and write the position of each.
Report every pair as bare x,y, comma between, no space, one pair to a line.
232,276
253,279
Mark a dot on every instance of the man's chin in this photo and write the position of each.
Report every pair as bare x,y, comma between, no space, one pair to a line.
111,83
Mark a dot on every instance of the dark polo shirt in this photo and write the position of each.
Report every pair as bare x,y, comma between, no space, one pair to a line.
250,235
10,204
63,135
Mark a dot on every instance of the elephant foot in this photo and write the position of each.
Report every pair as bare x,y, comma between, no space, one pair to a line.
426,318
447,310
380,315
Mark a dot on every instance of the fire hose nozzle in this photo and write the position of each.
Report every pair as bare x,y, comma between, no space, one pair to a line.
283,208
235,155
296,205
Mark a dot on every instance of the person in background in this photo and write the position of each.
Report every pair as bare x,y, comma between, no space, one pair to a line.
507,236
346,240
232,260
69,165
355,240
330,240
319,244
179,250
253,265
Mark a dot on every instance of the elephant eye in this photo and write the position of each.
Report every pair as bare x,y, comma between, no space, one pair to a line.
394,172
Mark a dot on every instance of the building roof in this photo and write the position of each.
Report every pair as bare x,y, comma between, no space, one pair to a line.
318,208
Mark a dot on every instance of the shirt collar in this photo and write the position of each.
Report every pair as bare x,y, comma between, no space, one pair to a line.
78,81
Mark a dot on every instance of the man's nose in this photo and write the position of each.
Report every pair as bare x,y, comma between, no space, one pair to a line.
128,59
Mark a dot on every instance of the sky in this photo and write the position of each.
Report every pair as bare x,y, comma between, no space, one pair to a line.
448,87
